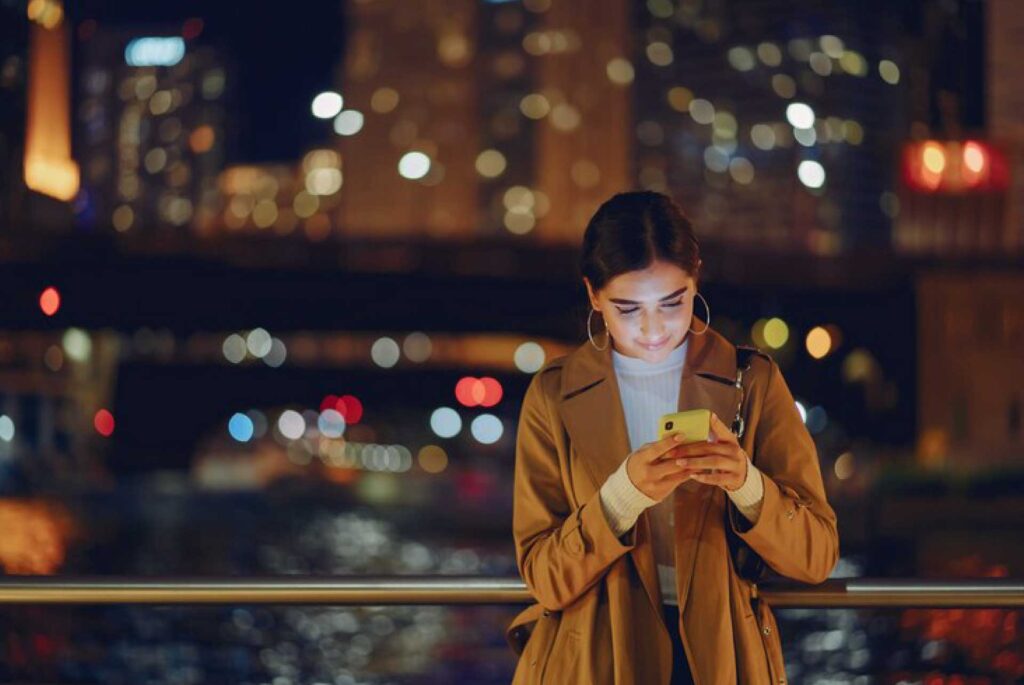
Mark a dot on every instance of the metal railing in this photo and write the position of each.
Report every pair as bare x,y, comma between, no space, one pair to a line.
370,590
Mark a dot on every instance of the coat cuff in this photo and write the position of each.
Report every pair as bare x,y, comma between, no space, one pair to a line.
621,501
749,497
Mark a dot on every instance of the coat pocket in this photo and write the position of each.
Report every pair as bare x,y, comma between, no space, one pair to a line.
771,640
531,635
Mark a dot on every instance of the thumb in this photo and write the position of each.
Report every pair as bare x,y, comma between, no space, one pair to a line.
720,430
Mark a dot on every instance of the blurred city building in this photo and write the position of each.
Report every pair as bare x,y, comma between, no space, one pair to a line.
772,122
151,127
13,68
970,401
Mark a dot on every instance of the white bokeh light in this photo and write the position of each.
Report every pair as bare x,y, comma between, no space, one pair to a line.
811,174
414,165
529,357
487,429
331,423
234,348
800,115
291,424
348,123
258,342
326,105
385,352
445,422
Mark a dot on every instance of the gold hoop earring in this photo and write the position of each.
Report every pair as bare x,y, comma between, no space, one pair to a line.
707,321
591,335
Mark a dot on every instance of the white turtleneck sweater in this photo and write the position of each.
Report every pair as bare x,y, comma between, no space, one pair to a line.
648,391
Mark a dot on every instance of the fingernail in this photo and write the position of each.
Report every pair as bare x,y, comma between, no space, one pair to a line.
680,462
679,437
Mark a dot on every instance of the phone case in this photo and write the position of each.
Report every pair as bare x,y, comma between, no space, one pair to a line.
695,424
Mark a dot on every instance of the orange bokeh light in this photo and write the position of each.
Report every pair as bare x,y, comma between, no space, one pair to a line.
49,301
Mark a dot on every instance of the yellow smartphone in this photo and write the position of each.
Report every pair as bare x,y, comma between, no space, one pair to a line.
694,423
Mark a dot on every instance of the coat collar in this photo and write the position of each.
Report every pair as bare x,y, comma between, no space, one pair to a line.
591,407
708,354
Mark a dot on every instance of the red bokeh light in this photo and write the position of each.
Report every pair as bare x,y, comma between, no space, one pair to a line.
104,423
350,408
329,402
492,391
472,392
49,301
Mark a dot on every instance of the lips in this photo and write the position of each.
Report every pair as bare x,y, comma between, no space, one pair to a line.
656,346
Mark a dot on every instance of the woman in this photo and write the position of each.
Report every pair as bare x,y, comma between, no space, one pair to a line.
622,538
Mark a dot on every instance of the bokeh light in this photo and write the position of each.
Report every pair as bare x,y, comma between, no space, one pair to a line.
414,165
417,347
432,459
487,429
348,123
776,333
385,352
844,466
331,423
529,357
103,421
240,427
327,105
77,344
258,342
6,428
234,348
819,342
49,301
445,422
811,173
291,424
350,408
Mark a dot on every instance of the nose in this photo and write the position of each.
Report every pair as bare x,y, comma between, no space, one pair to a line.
651,327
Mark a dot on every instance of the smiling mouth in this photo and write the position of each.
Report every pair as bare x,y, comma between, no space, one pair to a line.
655,346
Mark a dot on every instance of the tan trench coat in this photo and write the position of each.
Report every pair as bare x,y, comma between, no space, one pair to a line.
598,616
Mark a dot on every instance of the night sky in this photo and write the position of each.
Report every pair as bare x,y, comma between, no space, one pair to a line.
283,54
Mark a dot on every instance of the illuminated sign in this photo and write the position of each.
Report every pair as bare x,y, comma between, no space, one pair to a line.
154,51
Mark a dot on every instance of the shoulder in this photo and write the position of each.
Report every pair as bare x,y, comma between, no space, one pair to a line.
548,379
760,366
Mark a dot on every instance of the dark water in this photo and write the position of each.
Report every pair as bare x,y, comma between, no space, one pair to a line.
141,530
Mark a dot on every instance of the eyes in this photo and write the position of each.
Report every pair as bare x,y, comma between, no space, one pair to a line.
633,310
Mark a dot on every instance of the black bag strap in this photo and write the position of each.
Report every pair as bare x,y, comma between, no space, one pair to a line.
748,563
743,356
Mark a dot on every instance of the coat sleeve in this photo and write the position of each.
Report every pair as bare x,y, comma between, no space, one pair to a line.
796,533
560,551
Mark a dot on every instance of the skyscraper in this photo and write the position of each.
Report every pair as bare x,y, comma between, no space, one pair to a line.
772,122
151,127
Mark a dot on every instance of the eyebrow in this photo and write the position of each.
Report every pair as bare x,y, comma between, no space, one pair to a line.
667,297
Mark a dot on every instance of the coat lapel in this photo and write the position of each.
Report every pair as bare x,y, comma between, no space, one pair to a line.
591,408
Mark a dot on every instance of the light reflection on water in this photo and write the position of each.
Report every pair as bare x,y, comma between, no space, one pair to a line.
137,532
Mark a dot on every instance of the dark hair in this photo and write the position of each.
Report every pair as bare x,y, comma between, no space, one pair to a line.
633,230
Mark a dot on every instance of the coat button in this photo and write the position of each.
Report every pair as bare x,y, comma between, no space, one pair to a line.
790,514
547,612
767,630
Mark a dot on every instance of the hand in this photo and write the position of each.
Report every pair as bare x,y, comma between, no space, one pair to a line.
653,468
720,461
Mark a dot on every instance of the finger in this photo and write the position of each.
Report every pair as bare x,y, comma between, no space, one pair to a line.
700,449
719,479
718,463
657,449
721,431
666,468
673,479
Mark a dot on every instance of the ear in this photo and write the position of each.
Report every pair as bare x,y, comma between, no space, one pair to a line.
590,293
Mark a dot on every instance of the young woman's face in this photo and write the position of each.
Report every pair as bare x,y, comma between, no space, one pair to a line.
648,311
